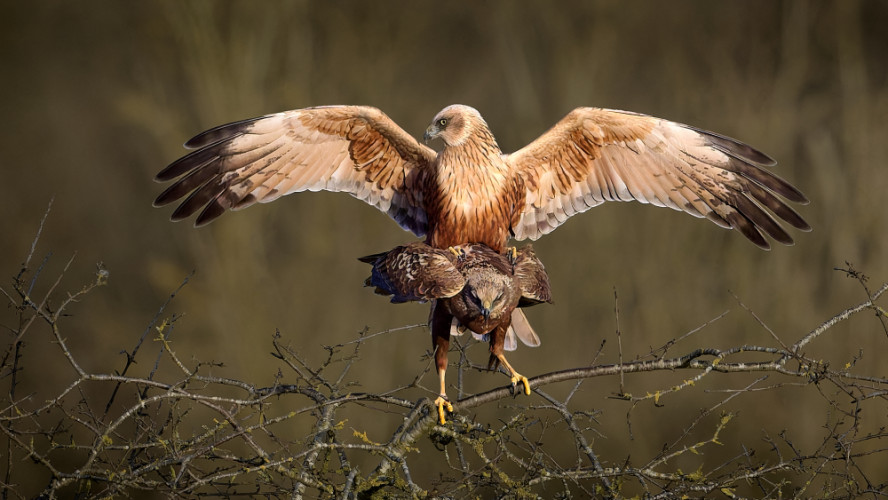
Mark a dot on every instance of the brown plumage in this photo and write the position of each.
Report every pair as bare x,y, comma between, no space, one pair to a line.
471,192
470,286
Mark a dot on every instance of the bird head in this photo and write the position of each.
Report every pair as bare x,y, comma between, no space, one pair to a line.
487,295
454,124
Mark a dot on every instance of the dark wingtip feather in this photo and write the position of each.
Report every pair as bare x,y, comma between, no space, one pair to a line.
192,161
199,176
762,220
748,162
212,211
371,259
778,185
221,133
775,205
765,178
164,198
247,201
736,148
203,195
746,227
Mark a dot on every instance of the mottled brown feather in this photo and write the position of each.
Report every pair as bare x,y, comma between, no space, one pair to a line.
531,278
414,272
419,272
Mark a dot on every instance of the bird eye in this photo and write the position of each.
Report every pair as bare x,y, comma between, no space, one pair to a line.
442,122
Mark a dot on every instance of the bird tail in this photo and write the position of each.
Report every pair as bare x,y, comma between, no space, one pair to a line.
521,328
457,328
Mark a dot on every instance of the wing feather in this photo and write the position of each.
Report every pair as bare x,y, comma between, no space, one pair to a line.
353,149
414,272
531,278
595,155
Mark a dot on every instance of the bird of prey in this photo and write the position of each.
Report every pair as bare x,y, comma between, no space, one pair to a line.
470,192
470,286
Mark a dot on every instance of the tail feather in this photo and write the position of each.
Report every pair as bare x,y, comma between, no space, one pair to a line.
521,328
509,343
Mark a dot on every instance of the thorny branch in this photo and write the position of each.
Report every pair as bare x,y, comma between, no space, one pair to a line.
183,431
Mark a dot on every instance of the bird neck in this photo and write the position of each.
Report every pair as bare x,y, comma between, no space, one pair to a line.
481,141
473,166
473,157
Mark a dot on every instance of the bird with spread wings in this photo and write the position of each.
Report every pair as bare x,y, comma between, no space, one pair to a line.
470,191
477,287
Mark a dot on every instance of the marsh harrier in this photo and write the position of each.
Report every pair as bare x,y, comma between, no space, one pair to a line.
474,288
470,192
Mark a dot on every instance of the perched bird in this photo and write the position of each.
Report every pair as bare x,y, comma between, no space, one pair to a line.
476,287
471,192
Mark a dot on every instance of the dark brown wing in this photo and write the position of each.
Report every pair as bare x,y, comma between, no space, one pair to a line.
415,272
595,155
532,279
353,149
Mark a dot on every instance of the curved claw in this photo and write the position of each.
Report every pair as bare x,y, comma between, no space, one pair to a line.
441,402
517,377
512,255
458,252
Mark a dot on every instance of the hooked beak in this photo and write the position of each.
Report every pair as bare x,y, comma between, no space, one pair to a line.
430,134
485,310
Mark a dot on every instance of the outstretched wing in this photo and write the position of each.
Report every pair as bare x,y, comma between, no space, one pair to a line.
531,278
354,149
595,155
415,272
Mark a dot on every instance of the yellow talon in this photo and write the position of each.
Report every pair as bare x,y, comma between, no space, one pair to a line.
457,252
441,402
517,377
512,254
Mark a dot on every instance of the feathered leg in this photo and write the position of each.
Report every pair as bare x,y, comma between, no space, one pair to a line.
440,324
497,356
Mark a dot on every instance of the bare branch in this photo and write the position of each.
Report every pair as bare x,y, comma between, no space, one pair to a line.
180,431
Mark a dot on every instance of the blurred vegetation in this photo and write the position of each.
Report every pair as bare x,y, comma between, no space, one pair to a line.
99,96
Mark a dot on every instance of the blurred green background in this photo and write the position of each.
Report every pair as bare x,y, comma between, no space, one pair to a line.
99,96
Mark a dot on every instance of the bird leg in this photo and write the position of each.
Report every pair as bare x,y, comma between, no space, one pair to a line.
440,323
497,357
516,377
442,402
